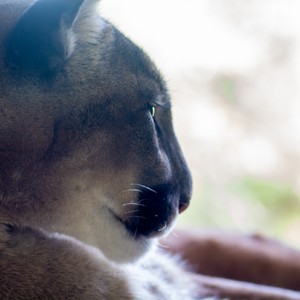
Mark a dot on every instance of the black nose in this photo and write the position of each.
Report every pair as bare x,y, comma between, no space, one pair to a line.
183,203
185,186
155,210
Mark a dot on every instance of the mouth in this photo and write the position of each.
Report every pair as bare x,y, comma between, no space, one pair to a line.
152,214
149,226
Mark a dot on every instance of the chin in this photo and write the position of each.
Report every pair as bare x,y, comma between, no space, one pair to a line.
130,251
114,240
125,248
122,237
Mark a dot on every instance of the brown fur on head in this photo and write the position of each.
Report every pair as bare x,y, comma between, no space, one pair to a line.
81,151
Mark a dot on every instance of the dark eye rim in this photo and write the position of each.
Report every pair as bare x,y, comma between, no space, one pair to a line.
153,107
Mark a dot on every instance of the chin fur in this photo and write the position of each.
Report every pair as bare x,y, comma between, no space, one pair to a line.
124,248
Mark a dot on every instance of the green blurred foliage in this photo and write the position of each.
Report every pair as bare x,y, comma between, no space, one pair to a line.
227,88
279,200
250,205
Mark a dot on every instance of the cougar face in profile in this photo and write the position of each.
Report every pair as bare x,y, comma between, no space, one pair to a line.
88,155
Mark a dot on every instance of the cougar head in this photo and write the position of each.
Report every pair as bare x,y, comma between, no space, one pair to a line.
87,146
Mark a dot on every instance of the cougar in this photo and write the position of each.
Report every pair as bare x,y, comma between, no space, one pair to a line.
91,171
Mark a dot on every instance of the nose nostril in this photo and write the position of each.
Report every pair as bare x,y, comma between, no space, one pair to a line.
183,206
183,203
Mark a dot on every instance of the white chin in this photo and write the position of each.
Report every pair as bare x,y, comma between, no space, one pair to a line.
129,250
118,245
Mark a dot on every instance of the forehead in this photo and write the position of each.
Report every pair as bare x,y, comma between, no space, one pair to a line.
148,77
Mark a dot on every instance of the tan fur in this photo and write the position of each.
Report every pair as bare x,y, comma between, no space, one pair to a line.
79,150
89,179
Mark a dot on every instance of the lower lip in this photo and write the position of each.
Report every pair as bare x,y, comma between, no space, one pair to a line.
161,231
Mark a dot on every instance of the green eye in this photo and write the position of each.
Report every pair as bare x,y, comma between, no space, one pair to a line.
152,111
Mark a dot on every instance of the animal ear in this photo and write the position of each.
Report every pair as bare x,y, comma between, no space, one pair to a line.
42,39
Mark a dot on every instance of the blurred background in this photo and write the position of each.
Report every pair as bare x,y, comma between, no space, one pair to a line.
233,69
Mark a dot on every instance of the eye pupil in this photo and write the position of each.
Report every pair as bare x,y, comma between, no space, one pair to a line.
152,111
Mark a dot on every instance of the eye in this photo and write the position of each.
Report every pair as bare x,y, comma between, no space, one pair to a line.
152,111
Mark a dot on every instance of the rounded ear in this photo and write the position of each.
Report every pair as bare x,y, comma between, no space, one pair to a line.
42,38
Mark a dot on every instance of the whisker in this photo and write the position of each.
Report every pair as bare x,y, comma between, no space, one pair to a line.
163,246
174,234
131,212
133,204
132,190
145,187
144,200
